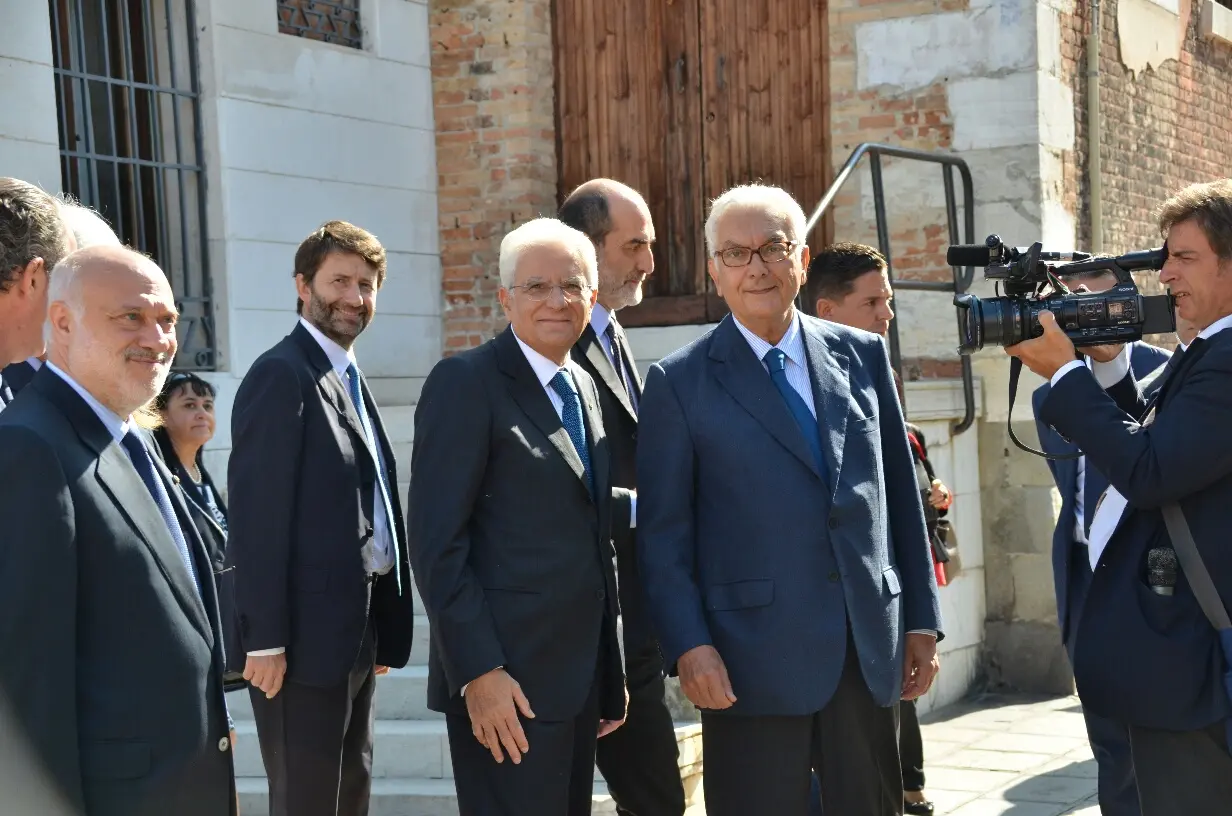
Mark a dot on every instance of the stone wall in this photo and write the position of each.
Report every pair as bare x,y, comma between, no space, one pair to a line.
495,146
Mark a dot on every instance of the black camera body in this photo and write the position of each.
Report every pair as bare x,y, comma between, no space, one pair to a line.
1120,314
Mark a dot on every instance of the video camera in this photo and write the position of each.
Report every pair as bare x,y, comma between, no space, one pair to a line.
1032,283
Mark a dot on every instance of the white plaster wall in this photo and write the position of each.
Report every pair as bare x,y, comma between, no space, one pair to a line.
29,134
299,132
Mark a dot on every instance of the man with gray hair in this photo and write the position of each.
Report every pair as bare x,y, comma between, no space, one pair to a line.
640,762
511,518
32,241
781,534
83,228
109,622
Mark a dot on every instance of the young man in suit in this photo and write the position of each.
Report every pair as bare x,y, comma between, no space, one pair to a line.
1150,661
108,614
1080,486
323,592
780,533
640,762
32,240
512,511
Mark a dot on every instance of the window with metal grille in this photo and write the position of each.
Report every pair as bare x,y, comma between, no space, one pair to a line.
130,140
331,21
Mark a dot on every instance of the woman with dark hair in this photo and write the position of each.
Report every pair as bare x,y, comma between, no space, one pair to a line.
186,408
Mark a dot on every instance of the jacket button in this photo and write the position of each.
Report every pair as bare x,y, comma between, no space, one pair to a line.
833,522
224,744
600,594
834,577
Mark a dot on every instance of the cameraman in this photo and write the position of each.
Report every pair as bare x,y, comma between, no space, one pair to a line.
1080,486
1152,661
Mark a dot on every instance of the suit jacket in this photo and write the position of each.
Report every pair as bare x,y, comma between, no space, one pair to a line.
744,545
17,376
620,424
112,660
301,484
1144,359
512,554
1142,658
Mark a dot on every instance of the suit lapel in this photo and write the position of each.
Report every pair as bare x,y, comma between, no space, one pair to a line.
745,378
592,350
332,389
528,393
116,473
828,372
635,378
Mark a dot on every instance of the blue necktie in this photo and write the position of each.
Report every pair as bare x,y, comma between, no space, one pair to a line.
357,398
571,418
776,361
145,469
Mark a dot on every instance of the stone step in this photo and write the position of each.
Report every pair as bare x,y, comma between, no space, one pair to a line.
400,695
402,797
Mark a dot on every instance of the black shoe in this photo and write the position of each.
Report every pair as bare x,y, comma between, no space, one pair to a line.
918,809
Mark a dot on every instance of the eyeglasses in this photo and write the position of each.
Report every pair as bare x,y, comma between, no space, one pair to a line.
773,252
539,291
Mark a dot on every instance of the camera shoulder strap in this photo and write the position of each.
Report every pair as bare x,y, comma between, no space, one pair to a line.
1194,567
1015,371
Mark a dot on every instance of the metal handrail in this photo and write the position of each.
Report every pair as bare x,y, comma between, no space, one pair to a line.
963,276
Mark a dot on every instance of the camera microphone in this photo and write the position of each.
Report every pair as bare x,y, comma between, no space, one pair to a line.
983,255
1161,570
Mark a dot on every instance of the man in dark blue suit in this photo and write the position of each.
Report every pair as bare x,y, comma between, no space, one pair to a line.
1081,486
1153,661
782,540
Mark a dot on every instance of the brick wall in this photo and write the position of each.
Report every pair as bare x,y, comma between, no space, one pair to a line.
495,147
1162,128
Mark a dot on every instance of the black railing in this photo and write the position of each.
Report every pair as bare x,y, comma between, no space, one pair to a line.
963,276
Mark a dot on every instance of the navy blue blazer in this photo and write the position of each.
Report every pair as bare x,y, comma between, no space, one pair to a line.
1143,359
746,545
1142,658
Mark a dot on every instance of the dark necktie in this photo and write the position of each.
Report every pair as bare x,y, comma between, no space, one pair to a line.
357,399
776,361
571,418
145,469
618,360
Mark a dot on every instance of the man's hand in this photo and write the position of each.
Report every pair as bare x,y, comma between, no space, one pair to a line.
703,678
266,672
920,665
608,726
379,670
1047,353
493,701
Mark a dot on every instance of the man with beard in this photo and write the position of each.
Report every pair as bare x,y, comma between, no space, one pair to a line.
108,617
323,584
639,762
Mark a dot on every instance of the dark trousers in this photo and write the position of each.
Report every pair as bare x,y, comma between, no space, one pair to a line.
554,778
1118,791
763,764
910,746
317,742
640,761
1182,772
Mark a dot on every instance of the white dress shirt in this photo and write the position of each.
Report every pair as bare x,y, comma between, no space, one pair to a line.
796,368
1113,505
340,360
600,319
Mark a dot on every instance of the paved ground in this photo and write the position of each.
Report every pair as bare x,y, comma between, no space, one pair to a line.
1002,755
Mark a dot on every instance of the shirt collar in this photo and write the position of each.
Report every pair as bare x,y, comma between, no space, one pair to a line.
34,363
339,358
791,344
1216,327
600,318
544,368
116,425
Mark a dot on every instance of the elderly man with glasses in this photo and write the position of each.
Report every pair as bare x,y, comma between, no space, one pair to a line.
781,534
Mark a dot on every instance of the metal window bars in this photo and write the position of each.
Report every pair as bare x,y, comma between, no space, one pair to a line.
331,21
128,98
962,277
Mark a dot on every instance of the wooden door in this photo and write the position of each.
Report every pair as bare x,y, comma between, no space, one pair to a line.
681,99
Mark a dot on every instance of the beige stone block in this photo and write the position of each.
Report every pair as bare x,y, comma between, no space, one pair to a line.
1034,595
1027,656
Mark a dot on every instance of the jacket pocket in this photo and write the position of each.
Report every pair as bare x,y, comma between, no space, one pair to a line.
740,594
115,759
892,583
